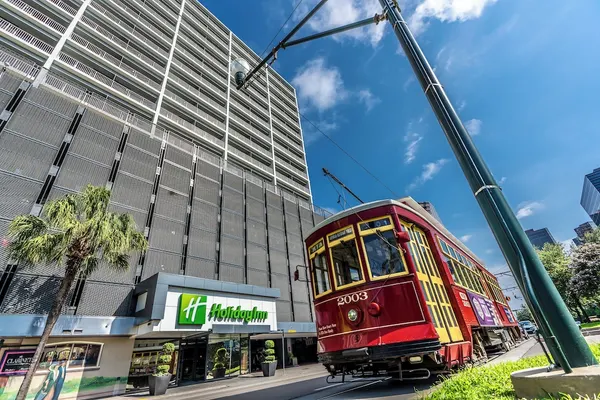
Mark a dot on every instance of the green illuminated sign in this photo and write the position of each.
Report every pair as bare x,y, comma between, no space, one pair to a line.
192,309
217,311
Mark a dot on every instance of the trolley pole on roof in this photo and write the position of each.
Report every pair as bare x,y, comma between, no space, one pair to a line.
566,343
327,173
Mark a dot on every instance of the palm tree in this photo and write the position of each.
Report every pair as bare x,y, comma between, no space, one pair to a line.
76,231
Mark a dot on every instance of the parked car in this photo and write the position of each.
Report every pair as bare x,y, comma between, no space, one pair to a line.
528,327
578,324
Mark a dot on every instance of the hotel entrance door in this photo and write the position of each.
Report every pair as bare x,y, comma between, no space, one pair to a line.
192,359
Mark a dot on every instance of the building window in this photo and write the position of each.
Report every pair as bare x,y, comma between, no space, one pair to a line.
346,264
71,355
383,255
321,274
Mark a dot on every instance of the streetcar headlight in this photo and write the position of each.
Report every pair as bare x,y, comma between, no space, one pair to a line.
353,315
415,359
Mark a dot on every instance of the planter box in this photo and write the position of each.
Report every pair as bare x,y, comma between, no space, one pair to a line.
268,369
294,362
218,373
158,385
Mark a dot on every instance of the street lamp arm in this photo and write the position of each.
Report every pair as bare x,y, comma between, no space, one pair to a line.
280,44
358,24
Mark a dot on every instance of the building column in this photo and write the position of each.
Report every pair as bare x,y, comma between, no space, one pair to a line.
271,126
41,77
167,69
226,138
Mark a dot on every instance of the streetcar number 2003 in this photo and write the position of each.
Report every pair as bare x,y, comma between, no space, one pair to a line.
351,298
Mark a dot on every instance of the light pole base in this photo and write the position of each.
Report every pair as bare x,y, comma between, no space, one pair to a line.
535,383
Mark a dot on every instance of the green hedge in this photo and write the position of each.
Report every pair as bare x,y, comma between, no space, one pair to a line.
488,382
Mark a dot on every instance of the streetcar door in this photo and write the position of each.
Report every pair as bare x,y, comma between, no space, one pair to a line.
433,287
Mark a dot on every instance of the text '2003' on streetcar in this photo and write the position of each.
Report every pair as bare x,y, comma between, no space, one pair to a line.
395,293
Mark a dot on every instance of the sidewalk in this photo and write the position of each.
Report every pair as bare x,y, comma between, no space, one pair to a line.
515,353
255,380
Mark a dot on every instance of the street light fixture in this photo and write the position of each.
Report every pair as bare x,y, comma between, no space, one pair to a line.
566,343
240,69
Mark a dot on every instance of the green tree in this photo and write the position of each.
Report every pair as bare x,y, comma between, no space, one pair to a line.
557,263
76,231
524,314
585,262
593,236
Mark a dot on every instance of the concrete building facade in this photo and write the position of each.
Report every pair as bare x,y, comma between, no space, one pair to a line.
138,97
590,195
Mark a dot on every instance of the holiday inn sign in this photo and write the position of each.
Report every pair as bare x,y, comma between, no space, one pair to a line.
193,310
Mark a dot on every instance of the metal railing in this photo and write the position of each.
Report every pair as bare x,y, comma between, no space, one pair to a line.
138,17
115,61
37,15
220,125
247,125
277,91
209,84
139,35
289,153
196,93
245,99
291,167
252,161
205,41
92,73
166,10
203,19
283,124
103,104
293,183
281,108
150,12
281,85
65,7
197,131
14,62
287,140
203,53
250,113
122,44
249,143
23,36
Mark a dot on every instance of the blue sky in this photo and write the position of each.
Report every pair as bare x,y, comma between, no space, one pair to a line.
522,73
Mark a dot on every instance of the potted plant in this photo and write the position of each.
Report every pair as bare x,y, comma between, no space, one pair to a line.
293,359
158,382
269,364
219,367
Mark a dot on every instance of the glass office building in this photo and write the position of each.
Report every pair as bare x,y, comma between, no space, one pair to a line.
539,237
590,195
137,96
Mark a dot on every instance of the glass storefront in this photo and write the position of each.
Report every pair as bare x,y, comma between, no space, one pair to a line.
196,359
228,355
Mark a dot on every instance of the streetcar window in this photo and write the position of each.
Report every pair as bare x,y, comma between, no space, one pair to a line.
320,274
444,246
346,264
424,291
383,255
433,316
451,268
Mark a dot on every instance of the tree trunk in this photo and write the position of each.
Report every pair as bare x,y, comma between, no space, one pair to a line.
586,317
59,301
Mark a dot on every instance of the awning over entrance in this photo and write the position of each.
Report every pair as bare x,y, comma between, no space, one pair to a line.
277,335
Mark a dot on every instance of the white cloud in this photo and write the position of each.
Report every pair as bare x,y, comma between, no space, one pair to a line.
489,251
336,13
430,170
413,139
409,81
529,208
462,105
446,11
502,180
474,126
365,96
465,238
310,134
318,85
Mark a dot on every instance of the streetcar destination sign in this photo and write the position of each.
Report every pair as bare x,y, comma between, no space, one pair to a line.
340,234
378,223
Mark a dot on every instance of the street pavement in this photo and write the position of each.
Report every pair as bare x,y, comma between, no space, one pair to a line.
308,382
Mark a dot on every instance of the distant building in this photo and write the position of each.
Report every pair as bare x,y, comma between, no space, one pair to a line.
430,209
577,241
584,228
540,237
590,195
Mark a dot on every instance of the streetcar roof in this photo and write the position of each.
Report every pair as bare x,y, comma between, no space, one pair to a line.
408,203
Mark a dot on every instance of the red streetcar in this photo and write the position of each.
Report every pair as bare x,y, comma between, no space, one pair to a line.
395,293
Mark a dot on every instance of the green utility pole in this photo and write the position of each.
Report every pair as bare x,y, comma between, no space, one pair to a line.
566,343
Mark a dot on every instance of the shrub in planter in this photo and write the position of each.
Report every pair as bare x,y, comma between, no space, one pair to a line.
219,366
158,382
270,362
